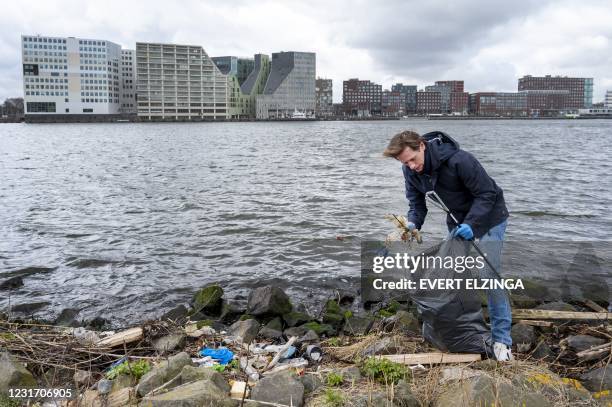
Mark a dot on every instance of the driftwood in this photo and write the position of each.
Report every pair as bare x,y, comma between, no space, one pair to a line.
434,358
120,338
594,306
534,322
282,350
596,352
548,314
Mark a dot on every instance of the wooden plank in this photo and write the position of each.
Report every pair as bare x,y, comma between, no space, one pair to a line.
433,358
127,336
548,314
594,306
534,322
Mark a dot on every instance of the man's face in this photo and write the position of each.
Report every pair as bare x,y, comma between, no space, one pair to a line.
413,159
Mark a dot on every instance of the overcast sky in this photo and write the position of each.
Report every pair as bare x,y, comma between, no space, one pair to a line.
489,44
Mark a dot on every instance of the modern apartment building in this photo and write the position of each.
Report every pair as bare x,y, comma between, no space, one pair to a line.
393,103
454,86
608,99
580,89
179,82
243,92
245,67
67,77
452,96
361,97
409,94
547,102
290,87
127,90
227,65
459,102
428,102
525,103
499,104
324,97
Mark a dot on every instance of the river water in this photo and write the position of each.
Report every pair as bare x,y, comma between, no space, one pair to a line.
129,219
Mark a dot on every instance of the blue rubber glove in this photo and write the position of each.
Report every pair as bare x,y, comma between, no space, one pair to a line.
410,226
464,231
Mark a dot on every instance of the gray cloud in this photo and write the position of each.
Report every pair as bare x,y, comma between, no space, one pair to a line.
488,44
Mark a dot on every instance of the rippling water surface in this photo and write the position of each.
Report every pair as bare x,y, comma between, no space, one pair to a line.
128,220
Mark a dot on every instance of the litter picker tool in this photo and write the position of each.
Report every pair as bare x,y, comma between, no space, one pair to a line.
437,201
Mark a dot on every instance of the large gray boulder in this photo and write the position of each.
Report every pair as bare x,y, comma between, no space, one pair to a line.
598,379
295,318
208,300
484,390
192,374
194,394
162,373
282,388
245,330
358,325
13,374
402,395
268,300
578,343
384,345
523,336
273,329
169,342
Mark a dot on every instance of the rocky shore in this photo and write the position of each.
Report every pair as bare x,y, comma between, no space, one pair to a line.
271,352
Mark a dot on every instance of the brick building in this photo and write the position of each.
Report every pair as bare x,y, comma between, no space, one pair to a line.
580,89
428,102
361,97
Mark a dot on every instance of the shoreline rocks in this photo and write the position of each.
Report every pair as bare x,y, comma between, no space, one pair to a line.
270,319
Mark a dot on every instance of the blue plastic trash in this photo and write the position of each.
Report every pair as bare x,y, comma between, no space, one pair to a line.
288,353
222,355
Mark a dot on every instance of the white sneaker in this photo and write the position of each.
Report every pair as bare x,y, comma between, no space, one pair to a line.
502,352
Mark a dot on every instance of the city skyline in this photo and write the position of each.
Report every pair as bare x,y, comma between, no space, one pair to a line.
487,47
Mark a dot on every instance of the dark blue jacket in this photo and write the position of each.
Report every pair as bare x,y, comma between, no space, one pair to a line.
461,182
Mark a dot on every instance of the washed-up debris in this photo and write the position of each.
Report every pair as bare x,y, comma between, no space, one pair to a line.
596,352
287,353
193,331
238,390
295,363
205,361
314,353
433,358
281,352
549,314
223,355
120,338
247,368
85,337
43,348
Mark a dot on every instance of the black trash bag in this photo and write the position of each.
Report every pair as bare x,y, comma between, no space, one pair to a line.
452,318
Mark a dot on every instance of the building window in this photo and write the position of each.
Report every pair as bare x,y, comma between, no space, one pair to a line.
40,107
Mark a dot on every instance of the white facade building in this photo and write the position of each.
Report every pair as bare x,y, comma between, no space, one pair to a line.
290,88
127,93
179,82
70,76
608,99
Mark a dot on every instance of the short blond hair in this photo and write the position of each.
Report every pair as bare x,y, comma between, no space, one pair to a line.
402,140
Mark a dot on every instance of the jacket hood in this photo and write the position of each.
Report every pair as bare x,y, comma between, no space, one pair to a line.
442,147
